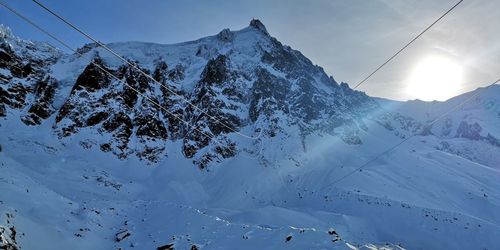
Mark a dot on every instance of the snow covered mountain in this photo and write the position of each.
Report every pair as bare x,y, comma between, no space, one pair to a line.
246,79
470,132
90,163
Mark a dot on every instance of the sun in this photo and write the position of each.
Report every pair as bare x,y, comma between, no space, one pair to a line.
435,78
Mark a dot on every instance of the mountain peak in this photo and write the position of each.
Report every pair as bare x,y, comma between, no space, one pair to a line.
5,31
257,24
225,35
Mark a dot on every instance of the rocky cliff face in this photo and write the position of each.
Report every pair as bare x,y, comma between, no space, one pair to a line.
200,97
250,82
65,117
24,77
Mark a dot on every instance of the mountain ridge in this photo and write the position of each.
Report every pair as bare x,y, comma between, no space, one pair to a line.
88,164
231,70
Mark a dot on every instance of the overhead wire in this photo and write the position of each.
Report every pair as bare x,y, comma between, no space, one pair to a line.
428,125
406,45
348,108
355,87
211,117
380,67
111,74
100,44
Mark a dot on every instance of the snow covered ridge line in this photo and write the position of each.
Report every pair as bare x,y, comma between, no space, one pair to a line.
5,31
68,124
471,117
245,78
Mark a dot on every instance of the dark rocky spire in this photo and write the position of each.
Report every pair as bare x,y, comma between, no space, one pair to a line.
257,24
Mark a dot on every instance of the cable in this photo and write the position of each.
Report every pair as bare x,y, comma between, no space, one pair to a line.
411,136
462,103
396,54
360,83
404,47
194,106
106,71
340,112
140,70
245,150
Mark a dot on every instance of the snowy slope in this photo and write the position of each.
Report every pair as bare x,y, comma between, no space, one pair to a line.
87,165
251,82
470,131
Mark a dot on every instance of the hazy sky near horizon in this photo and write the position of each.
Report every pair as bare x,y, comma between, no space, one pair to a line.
348,39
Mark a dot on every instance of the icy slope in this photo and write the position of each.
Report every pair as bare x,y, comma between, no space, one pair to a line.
416,196
470,131
62,196
88,164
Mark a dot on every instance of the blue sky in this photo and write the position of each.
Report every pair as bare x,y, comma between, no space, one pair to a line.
347,38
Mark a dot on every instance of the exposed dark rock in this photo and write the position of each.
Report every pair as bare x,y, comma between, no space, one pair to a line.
473,132
7,55
151,154
121,126
160,71
8,239
226,35
493,140
122,235
42,107
106,147
469,131
268,95
86,48
172,100
3,111
212,117
215,71
257,24
289,61
224,124
150,126
135,82
17,94
93,78
64,111
4,100
305,104
135,78
194,142
166,247
129,96
119,119
176,74
27,70
97,118
5,58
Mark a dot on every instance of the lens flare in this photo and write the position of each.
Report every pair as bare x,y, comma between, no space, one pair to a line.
435,78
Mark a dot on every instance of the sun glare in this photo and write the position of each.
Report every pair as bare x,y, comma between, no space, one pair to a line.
435,78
